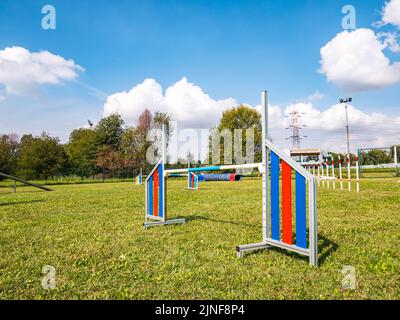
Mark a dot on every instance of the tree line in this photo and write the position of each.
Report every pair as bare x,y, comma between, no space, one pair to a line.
107,149
111,149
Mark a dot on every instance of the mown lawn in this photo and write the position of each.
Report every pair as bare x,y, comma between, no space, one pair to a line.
92,234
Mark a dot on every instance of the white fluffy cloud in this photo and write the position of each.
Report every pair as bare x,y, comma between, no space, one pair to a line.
21,71
186,102
391,13
315,96
326,129
193,108
355,61
390,41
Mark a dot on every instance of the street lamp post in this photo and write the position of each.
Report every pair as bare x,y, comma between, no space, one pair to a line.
347,100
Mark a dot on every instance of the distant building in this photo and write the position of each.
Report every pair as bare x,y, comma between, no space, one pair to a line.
306,156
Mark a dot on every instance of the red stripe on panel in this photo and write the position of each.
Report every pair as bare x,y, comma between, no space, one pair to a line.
286,203
155,193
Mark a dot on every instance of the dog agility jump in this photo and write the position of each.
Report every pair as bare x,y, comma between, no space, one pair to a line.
282,227
326,173
139,178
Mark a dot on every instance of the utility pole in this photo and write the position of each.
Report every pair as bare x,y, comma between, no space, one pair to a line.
346,100
347,131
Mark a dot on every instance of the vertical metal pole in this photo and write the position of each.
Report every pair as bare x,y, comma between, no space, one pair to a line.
333,174
164,144
164,160
357,176
318,173
348,172
396,170
146,200
347,132
313,230
340,174
265,160
327,172
323,173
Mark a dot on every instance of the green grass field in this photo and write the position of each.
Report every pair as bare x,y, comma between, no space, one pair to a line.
93,235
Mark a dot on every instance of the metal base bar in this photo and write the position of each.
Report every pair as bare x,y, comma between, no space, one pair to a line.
160,223
268,244
240,250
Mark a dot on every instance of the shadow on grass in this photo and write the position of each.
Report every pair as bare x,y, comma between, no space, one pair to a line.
19,191
19,202
326,248
242,224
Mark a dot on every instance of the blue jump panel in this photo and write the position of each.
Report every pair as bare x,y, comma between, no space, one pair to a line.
275,225
301,224
150,198
160,193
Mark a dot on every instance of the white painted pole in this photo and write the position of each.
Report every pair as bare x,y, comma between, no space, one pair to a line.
327,172
348,172
340,174
323,174
396,170
265,165
333,174
164,144
357,176
318,174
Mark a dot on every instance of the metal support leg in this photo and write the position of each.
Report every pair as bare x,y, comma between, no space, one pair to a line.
161,223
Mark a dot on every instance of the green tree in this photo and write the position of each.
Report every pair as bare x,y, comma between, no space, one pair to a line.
242,118
109,131
82,149
377,156
41,157
109,160
8,153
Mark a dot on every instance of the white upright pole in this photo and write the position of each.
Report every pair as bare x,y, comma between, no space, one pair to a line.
348,172
323,173
318,168
333,174
265,164
164,144
340,173
357,176
327,172
396,170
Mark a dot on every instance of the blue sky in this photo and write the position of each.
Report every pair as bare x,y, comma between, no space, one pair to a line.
227,48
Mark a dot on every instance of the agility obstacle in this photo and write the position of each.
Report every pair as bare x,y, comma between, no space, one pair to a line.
322,177
281,228
139,179
220,177
193,181
15,179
